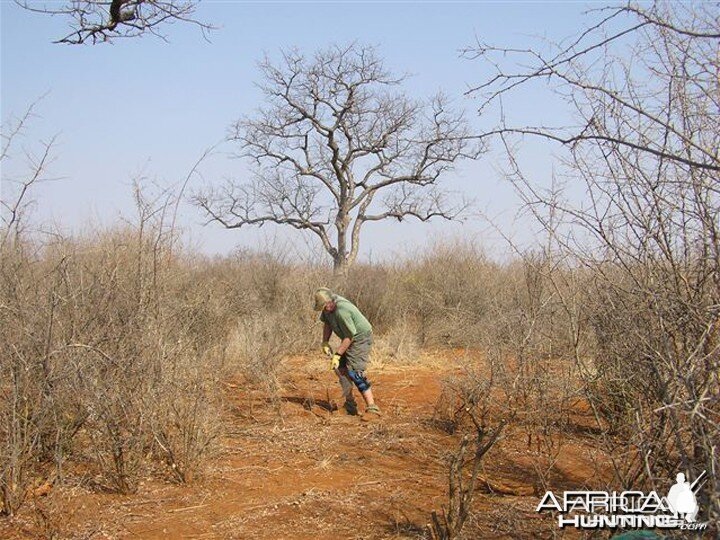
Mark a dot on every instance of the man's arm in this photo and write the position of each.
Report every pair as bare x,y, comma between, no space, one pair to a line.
344,346
348,326
327,332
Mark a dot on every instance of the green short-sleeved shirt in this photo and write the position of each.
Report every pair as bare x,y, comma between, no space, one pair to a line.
346,321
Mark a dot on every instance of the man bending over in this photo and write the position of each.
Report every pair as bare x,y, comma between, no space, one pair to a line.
349,362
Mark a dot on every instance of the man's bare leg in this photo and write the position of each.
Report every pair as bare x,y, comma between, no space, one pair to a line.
368,397
371,410
366,394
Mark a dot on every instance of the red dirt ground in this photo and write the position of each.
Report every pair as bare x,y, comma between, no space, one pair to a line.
294,469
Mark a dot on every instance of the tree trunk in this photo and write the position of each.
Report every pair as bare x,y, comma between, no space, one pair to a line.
340,267
341,261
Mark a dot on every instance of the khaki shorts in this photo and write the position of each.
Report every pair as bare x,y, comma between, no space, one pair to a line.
358,354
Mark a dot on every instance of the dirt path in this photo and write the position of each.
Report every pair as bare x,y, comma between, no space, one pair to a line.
296,469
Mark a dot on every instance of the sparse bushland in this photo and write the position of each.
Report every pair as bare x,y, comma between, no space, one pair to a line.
115,343
118,341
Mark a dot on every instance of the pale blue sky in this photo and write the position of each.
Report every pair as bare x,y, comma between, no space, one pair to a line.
146,105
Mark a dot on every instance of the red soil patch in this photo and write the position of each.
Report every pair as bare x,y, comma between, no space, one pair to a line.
294,469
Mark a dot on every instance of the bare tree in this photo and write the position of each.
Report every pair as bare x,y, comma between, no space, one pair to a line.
15,202
643,84
338,145
624,105
97,21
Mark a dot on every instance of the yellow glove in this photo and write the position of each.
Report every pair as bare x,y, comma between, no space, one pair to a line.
335,362
327,351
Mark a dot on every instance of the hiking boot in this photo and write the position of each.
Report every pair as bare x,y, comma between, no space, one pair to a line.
372,414
373,409
351,408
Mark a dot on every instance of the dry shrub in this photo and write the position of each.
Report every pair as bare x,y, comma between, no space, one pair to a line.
399,345
468,403
258,346
276,319
34,422
460,393
433,298
185,430
370,288
447,292
525,381
114,354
